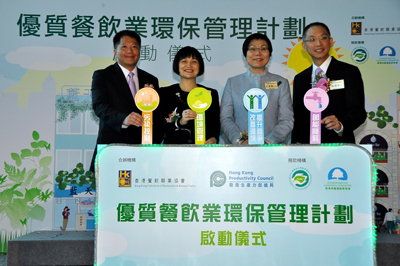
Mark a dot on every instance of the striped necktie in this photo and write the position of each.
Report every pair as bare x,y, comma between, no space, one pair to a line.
131,83
318,74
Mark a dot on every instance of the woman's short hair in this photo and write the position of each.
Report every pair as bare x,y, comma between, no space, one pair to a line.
256,36
186,52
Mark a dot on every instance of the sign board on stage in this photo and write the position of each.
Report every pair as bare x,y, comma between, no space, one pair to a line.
230,205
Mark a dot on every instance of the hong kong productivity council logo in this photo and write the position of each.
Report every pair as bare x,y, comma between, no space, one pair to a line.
300,178
217,179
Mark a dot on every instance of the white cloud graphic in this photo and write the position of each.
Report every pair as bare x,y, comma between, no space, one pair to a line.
43,58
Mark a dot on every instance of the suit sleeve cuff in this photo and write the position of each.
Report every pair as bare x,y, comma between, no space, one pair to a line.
340,131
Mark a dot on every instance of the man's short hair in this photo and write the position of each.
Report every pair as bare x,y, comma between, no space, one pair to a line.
315,24
118,36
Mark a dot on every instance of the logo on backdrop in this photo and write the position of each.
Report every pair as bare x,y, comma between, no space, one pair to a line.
338,174
217,179
356,28
300,178
125,178
337,179
371,29
359,55
242,179
387,56
387,51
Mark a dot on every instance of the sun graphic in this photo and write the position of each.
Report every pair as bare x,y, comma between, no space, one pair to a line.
298,59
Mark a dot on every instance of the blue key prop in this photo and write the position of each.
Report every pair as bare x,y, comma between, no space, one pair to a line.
255,100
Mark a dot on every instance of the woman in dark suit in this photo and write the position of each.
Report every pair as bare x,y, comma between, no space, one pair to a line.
179,118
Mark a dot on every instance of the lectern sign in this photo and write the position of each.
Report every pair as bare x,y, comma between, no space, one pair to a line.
252,205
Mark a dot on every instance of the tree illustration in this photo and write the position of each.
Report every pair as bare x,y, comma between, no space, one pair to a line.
70,107
78,177
381,117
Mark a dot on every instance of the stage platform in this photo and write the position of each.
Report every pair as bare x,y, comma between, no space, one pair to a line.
388,250
77,248
52,248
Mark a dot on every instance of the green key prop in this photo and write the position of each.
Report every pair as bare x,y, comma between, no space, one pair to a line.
199,100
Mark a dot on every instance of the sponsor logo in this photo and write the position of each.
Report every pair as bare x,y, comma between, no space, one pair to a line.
249,179
300,178
387,56
370,29
387,51
356,28
161,181
337,179
124,178
337,174
217,179
359,55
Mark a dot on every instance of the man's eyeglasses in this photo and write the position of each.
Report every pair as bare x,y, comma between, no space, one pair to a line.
313,39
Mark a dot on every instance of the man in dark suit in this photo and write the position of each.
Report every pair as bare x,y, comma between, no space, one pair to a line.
113,96
346,109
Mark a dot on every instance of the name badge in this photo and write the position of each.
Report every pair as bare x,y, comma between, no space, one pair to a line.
336,84
272,85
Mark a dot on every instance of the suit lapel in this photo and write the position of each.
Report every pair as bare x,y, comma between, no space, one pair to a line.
121,83
307,78
332,68
140,78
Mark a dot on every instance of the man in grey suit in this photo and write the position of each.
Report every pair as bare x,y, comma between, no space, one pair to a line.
257,49
113,96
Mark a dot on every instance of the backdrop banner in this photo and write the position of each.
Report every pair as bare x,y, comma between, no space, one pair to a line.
51,49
